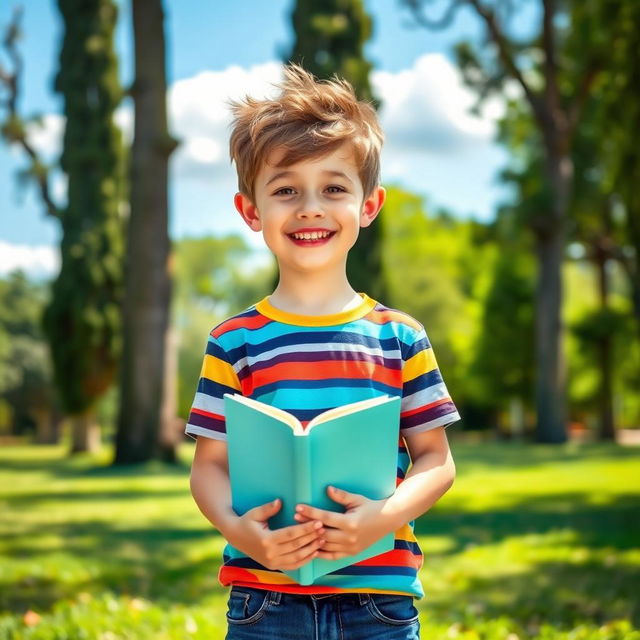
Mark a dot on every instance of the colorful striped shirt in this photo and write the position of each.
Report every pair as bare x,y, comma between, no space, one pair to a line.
307,365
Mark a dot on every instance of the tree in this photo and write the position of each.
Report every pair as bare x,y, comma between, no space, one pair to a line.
555,100
329,39
147,396
27,394
619,114
82,321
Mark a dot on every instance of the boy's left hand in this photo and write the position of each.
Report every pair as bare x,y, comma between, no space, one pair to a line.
348,533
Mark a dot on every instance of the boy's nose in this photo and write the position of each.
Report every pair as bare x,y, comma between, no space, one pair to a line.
311,208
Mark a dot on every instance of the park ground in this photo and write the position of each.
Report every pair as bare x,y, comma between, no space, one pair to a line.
532,542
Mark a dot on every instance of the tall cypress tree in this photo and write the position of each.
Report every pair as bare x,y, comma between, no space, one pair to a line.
329,39
82,321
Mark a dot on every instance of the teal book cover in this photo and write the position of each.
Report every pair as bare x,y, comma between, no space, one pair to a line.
353,447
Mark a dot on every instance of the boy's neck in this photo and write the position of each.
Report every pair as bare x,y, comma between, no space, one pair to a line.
311,296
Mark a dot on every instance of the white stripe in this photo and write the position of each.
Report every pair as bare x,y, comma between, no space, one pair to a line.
424,397
338,347
205,402
195,430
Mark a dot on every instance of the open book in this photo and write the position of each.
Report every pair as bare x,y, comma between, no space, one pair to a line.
352,447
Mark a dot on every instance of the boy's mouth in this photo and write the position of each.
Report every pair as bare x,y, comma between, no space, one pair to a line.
313,238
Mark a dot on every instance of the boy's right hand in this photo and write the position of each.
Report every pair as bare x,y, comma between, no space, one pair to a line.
279,549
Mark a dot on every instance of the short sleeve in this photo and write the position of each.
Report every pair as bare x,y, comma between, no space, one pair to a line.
426,402
217,377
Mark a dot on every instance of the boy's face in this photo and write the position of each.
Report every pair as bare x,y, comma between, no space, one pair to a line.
320,198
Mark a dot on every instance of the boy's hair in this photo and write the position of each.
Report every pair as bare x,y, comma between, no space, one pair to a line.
309,118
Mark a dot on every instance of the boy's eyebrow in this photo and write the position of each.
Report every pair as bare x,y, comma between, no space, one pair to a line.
287,173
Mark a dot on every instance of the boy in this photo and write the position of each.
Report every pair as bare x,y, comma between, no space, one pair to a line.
308,173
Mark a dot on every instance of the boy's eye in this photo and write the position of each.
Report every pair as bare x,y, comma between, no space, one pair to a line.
285,191
337,188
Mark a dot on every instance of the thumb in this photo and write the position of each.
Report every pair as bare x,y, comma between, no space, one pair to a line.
265,511
344,497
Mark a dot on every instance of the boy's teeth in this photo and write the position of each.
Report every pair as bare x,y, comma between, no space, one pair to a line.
313,235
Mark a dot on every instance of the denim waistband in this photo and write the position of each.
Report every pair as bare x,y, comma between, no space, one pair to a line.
276,596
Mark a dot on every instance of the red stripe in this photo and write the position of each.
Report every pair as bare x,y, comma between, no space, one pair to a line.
244,322
323,370
426,407
394,558
207,414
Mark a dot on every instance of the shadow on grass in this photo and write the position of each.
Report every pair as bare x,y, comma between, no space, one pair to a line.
151,561
614,524
559,594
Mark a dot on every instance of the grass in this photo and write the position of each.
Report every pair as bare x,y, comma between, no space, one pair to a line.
532,542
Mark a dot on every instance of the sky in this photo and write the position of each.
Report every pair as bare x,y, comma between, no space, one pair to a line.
433,145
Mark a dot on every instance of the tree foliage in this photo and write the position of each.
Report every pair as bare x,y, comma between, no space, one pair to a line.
329,39
82,320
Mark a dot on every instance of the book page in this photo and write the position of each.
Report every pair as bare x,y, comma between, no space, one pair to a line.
344,410
278,414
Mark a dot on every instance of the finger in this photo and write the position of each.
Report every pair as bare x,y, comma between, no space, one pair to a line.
299,558
329,518
303,541
295,531
264,511
344,497
333,547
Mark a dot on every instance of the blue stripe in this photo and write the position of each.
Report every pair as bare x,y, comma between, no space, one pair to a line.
324,384
421,382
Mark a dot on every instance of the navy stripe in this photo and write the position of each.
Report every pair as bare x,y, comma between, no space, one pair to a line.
428,415
421,382
214,389
416,347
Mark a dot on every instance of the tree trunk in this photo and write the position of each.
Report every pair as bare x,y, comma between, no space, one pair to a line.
551,424
606,431
85,433
171,427
148,284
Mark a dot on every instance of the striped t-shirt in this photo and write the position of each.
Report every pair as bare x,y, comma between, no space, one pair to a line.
307,365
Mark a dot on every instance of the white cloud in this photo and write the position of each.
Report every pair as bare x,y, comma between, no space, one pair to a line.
199,117
46,136
433,146
38,261
427,108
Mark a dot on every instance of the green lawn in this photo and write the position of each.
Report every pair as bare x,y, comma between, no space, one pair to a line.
531,542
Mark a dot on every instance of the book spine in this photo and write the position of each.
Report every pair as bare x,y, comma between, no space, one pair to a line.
302,458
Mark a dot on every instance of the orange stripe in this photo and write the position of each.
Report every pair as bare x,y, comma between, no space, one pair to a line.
383,317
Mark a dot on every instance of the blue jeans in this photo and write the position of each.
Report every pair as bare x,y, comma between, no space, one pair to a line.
257,614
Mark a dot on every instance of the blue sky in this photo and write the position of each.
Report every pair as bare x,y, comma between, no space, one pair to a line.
432,147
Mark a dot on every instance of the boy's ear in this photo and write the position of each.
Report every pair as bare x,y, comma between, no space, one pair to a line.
248,211
372,205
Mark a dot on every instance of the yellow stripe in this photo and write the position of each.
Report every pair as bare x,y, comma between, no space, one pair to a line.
271,577
406,533
423,362
219,371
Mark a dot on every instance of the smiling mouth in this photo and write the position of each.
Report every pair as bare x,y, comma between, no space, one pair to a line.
311,239
311,235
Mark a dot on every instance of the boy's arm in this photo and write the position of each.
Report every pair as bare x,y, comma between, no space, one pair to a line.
288,548
365,521
431,475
